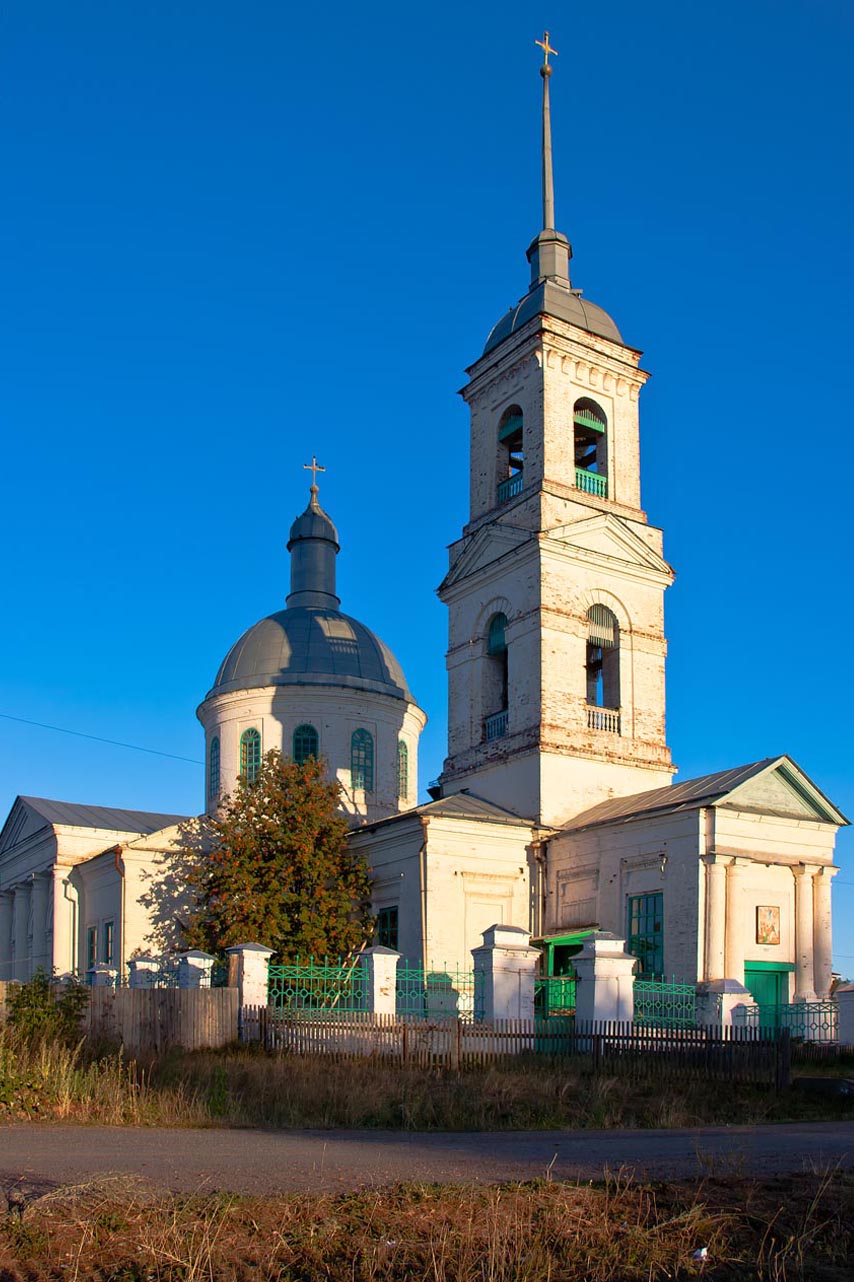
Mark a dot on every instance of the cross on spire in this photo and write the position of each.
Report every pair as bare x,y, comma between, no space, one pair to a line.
314,467
546,48
548,178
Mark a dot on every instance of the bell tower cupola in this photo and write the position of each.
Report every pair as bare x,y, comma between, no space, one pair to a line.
555,588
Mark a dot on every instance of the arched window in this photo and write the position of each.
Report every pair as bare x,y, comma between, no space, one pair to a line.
213,769
495,678
511,455
402,770
603,668
306,744
250,755
362,761
590,427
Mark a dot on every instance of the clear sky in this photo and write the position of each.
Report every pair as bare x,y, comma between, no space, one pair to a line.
234,235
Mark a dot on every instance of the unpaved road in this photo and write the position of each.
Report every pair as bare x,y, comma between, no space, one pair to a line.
257,1161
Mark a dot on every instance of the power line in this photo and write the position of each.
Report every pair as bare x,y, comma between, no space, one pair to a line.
115,743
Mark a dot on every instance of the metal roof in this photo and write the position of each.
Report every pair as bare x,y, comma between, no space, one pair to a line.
306,646
109,817
551,298
687,795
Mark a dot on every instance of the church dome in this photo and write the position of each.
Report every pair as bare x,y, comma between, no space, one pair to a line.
553,298
304,646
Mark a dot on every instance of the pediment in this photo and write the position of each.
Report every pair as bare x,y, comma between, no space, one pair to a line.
606,536
783,789
24,821
485,548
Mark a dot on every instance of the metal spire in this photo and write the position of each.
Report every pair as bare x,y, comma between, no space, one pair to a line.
548,175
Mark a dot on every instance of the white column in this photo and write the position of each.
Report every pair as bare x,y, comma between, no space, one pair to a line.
253,966
6,917
22,921
506,966
716,879
804,964
736,935
380,969
822,932
65,924
606,979
40,958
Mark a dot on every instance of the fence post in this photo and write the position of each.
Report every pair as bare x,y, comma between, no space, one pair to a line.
505,965
783,1075
716,1001
253,966
194,969
380,968
102,976
845,1005
605,979
143,972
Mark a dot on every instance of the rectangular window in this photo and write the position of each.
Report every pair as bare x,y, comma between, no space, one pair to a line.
387,928
645,932
91,947
108,939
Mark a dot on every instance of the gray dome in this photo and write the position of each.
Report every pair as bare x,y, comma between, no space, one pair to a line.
313,523
553,299
302,646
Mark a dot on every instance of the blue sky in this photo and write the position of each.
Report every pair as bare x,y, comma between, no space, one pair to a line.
232,236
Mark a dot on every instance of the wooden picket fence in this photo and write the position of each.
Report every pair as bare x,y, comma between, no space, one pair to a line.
155,1019
619,1049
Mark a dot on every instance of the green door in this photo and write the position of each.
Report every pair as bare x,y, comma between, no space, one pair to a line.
769,985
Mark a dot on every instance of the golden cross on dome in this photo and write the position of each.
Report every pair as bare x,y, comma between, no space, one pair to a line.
313,467
546,48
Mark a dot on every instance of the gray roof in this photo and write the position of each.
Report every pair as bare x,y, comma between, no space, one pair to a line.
306,646
551,298
109,817
688,795
460,805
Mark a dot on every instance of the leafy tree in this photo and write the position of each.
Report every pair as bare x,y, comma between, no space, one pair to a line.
278,869
38,1012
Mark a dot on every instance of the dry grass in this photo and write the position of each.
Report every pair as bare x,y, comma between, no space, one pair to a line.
776,1231
243,1087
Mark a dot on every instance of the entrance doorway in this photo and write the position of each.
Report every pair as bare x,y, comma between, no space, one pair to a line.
768,982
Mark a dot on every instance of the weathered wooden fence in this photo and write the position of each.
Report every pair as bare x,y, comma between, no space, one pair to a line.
632,1050
155,1019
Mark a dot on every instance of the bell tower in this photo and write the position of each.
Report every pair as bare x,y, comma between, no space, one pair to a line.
555,589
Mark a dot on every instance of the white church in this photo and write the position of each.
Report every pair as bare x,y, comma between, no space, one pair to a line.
556,810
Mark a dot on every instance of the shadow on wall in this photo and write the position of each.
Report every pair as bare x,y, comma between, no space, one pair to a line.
167,887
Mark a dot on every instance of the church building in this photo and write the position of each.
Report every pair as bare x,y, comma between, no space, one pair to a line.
556,809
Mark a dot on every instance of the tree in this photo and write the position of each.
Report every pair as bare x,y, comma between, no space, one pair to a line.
278,869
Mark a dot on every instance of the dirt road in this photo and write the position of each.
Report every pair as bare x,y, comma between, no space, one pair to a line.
254,1161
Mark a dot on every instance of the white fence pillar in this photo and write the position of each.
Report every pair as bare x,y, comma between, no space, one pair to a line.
143,972
505,972
380,970
102,976
717,999
194,969
845,1003
253,966
605,988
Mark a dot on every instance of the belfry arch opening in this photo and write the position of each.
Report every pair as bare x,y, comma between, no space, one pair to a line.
495,678
590,437
511,454
603,669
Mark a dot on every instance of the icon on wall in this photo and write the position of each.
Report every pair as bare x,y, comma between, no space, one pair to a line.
767,924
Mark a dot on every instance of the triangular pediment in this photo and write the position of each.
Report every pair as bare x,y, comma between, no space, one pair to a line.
608,537
484,549
24,821
783,789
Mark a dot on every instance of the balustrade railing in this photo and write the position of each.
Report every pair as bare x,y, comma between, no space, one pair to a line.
439,993
607,719
510,488
812,1021
591,482
309,985
495,726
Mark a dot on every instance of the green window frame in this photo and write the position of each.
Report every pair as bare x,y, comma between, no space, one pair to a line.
213,769
402,770
387,927
91,947
306,743
250,754
362,760
645,932
108,941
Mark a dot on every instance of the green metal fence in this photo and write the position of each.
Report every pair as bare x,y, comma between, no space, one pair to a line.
810,1021
554,995
663,1004
438,993
322,986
